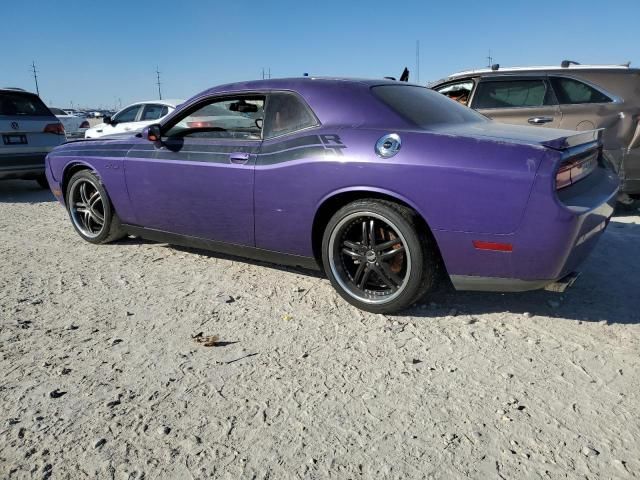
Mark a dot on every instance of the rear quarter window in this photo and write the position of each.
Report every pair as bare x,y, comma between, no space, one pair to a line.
424,107
12,104
570,91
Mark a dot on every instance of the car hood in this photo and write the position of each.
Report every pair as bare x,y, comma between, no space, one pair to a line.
546,137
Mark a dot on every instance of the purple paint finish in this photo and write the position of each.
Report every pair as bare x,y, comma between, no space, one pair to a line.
469,181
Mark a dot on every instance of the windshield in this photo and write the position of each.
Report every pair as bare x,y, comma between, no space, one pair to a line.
423,107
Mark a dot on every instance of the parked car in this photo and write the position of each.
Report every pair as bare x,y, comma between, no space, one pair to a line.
74,127
133,118
379,183
29,131
570,96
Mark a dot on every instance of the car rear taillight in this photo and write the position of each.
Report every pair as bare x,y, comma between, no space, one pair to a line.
576,168
56,128
85,124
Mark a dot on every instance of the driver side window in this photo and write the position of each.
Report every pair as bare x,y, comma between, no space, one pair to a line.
236,118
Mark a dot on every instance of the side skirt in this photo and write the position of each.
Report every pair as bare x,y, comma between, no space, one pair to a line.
253,253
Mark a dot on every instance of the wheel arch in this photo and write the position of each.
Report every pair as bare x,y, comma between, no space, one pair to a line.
332,202
69,171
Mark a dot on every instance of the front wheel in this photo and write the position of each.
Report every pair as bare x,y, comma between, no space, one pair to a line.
90,209
377,257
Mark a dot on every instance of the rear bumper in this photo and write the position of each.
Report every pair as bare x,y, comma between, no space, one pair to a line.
28,165
557,234
76,135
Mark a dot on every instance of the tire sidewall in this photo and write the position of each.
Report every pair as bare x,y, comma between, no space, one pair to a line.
86,175
414,243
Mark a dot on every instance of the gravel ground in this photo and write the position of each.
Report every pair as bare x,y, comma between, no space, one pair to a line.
102,376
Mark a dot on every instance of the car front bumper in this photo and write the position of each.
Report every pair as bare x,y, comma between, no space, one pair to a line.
21,165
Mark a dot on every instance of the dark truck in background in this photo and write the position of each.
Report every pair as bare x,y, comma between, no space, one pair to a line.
571,97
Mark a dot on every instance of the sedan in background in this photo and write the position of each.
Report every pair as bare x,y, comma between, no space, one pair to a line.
385,186
74,127
29,131
133,118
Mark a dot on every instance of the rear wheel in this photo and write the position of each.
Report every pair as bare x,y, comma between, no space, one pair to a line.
377,257
90,209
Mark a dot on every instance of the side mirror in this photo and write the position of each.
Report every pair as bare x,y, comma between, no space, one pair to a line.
107,120
152,133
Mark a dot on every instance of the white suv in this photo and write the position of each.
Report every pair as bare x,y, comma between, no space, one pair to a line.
133,118
29,131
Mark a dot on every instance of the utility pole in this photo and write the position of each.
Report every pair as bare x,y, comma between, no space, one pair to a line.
158,83
417,61
269,73
35,75
490,58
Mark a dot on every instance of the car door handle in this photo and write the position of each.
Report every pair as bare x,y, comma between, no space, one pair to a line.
540,120
239,157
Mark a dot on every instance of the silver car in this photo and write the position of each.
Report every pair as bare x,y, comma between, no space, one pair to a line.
29,131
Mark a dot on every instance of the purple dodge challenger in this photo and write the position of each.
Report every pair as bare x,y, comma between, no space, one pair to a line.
381,184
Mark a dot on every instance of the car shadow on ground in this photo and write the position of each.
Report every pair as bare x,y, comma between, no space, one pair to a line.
24,191
607,289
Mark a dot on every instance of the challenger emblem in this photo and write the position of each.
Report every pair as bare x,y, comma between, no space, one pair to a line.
15,125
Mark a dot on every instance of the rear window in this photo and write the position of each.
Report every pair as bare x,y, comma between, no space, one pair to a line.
12,104
571,91
424,107
57,111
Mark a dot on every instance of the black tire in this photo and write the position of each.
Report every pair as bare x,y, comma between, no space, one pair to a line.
85,220
398,276
42,181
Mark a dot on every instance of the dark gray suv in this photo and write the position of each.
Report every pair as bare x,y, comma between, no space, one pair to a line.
569,96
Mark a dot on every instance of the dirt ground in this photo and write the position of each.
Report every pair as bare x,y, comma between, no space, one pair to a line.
102,377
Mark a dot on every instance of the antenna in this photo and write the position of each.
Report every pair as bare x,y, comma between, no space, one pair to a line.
490,59
158,82
35,76
417,62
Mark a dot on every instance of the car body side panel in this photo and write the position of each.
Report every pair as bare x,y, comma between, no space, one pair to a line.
192,188
476,179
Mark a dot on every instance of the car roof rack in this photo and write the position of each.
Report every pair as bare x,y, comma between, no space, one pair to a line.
568,64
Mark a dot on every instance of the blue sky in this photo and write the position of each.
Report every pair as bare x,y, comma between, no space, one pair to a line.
100,53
